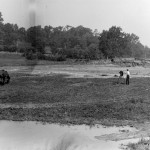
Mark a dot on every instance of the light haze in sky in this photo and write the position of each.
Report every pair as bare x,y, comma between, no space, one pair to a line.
133,16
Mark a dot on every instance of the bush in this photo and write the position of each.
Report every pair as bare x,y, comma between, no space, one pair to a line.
11,48
75,53
22,49
56,57
60,57
6,49
30,56
41,56
30,53
1,48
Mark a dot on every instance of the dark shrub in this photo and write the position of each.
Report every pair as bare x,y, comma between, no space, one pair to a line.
30,53
10,48
30,56
13,48
6,48
1,48
22,49
60,57
41,56
56,57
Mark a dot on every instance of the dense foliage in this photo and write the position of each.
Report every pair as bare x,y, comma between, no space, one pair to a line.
116,43
70,42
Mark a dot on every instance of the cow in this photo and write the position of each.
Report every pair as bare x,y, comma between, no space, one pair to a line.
4,76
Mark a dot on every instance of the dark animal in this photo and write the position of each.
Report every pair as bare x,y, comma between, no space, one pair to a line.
121,73
4,76
120,77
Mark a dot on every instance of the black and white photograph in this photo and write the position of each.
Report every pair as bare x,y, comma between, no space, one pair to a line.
74,74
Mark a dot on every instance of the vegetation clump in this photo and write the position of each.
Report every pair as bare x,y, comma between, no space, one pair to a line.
143,144
61,43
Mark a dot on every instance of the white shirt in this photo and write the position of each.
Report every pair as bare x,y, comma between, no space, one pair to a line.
128,73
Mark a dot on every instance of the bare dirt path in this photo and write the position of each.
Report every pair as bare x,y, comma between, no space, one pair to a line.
80,71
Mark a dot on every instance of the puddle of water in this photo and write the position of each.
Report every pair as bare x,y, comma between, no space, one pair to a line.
36,136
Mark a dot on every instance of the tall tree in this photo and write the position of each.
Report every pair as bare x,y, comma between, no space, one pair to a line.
10,36
116,43
22,34
36,36
1,18
1,27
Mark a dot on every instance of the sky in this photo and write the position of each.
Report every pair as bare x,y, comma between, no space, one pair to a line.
133,16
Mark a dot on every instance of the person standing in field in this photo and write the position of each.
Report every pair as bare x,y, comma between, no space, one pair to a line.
120,77
127,77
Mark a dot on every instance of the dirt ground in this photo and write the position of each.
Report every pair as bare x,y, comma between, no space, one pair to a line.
81,71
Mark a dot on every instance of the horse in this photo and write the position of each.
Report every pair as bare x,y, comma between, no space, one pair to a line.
4,76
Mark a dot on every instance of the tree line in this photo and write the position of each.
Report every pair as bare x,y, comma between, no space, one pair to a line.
70,42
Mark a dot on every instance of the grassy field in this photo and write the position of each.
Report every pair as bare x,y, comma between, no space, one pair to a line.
58,98
75,93
74,100
14,59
